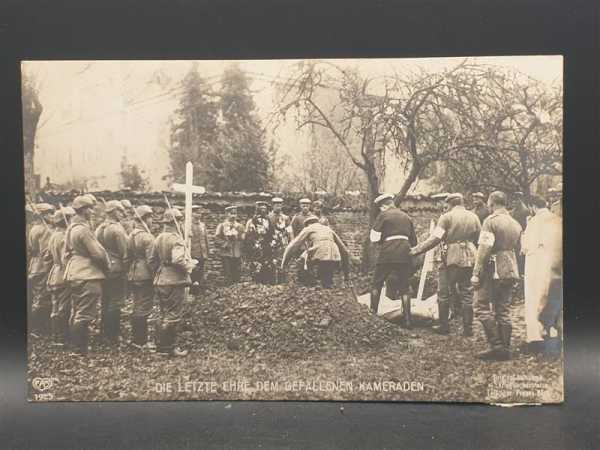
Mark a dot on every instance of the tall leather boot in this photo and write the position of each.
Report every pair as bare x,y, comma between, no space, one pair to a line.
444,311
406,311
80,338
57,325
496,352
113,327
375,296
163,339
467,315
505,332
137,339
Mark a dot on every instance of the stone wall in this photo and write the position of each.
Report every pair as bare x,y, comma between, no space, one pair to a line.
351,223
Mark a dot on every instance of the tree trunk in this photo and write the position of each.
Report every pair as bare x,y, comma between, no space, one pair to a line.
367,258
32,110
413,174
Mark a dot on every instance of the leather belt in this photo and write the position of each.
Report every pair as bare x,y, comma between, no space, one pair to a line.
396,237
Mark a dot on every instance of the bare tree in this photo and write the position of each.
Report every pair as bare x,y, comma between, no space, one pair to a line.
514,124
32,110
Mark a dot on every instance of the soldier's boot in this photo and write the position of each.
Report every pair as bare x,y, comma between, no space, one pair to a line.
139,332
113,327
444,311
406,311
80,335
161,340
175,349
59,332
375,296
505,332
467,314
491,332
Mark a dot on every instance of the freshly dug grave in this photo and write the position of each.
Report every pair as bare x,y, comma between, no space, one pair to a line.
290,320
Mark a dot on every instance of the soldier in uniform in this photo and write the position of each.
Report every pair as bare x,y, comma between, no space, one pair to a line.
520,213
140,276
458,231
128,220
479,207
259,245
394,231
282,235
317,210
230,237
113,238
61,301
325,250
85,263
39,266
494,276
199,251
173,265
298,219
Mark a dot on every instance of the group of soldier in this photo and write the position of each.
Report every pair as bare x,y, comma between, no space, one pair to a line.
79,269
483,253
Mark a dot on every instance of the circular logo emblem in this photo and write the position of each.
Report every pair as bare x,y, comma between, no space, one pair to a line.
42,384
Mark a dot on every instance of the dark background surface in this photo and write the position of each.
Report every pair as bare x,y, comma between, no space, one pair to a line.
224,29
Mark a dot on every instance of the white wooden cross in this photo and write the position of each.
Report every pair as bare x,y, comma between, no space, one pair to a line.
188,188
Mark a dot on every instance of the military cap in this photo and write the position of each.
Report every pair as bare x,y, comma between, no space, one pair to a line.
91,197
442,196
82,201
310,219
43,208
305,201
143,210
196,207
317,202
478,195
126,203
171,214
277,200
111,205
383,197
261,203
231,208
454,196
518,194
60,214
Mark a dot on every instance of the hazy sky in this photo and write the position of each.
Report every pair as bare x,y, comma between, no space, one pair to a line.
96,111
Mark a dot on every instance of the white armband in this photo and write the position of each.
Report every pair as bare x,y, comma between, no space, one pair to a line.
375,236
486,238
439,232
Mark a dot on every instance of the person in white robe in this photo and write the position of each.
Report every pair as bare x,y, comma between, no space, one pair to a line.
542,246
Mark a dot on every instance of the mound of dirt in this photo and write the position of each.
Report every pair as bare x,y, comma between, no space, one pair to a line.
287,319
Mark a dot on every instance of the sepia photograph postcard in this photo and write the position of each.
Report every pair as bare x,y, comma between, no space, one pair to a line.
308,229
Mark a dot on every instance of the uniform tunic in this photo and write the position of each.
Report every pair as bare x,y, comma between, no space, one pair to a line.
325,249
394,231
482,212
140,274
39,266
298,222
113,238
230,238
86,260
496,266
168,258
199,250
61,306
459,230
260,245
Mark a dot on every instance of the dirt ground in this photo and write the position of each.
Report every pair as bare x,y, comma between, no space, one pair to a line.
409,365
